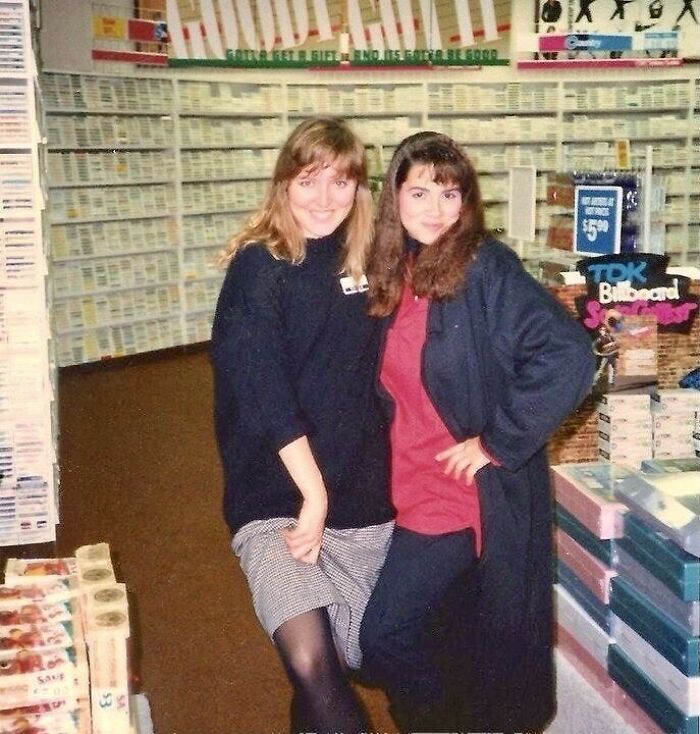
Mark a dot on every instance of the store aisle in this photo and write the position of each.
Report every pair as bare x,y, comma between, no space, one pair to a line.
139,470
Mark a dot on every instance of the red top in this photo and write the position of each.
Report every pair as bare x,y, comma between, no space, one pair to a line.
426,500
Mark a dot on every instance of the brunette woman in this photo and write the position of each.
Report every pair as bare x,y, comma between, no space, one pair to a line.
300,433
480,364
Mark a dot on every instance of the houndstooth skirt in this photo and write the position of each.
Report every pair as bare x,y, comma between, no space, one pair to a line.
342,579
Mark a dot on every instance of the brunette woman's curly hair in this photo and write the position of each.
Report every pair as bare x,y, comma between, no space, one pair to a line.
439,268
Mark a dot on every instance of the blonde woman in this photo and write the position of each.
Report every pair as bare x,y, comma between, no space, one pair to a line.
300,433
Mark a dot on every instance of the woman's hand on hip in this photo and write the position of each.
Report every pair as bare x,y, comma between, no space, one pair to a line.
304,540
464,459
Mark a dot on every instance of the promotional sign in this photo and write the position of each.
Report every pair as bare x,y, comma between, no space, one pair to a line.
135,34
614,33
597,219
635,284
630,299
312,33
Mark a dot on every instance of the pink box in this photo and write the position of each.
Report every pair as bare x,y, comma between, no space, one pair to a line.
598,678
587,492
594,574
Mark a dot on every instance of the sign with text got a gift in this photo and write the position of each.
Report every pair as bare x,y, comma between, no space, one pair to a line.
328,33
635,284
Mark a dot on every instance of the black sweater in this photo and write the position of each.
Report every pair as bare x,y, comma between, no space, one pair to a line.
292,356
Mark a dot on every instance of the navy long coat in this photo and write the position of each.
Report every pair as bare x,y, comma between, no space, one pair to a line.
504,361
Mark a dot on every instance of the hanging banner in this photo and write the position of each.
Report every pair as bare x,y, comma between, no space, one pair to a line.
613,33
320,33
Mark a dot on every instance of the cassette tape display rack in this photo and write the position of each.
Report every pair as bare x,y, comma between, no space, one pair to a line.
149,175
116,269
661,115
27,366
229,135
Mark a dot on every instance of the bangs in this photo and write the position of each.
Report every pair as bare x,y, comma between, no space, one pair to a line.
448,173
448,166
349,163
321,142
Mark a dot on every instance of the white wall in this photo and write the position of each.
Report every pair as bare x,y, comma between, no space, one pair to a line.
66,36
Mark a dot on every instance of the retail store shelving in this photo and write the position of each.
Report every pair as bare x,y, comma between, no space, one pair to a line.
191,155
655,116
28,423
113,215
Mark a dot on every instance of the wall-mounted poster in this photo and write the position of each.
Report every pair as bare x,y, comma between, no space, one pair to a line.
614,32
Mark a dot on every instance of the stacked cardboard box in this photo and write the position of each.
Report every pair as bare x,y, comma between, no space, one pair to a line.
655,599
42,648
673,421
628,592
64,626
625,428
590,524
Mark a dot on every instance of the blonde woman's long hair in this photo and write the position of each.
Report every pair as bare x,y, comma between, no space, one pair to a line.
314,143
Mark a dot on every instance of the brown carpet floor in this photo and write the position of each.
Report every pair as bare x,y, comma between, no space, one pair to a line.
139,470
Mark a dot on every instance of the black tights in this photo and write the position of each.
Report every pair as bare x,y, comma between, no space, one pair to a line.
323,701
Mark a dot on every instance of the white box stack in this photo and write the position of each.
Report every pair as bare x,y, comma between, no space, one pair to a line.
106,617
674,417
625,428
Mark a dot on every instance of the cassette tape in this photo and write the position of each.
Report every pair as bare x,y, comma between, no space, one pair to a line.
655,627
25,722
670,466
597,611
631,421
113,623
669,502
33,613
106,599
586,491
603,550
679,570
633,681
109,689
593,574
579,624
612,403
623,442
682,690
27,689
685,613
95,574
97,553
34,637
676,400
55,591
38,570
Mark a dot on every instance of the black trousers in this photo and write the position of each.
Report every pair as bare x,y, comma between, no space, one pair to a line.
399,641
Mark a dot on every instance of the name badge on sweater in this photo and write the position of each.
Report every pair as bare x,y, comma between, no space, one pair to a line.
350,285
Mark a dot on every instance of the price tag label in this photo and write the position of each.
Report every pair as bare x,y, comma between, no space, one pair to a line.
597,219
